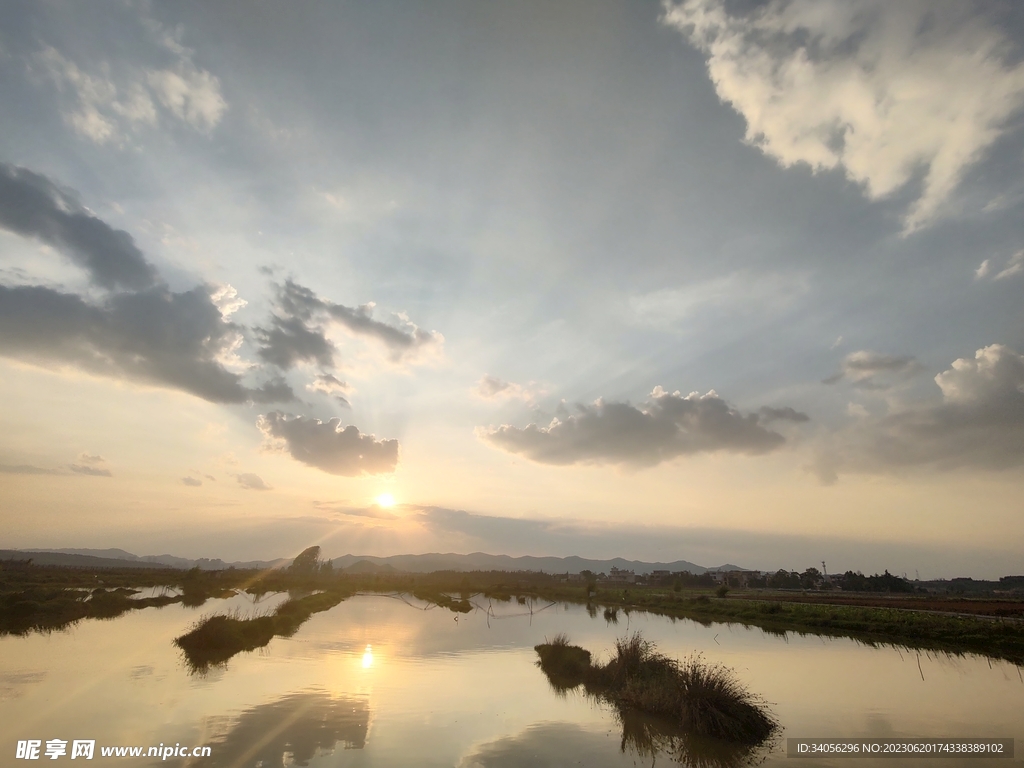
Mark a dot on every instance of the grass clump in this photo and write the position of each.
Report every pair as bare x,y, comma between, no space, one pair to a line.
701,699
213,640
565,665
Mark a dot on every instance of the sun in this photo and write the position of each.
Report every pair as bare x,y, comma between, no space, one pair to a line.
385,500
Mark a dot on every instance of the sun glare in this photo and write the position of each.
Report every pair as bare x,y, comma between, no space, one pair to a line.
368,657
385,500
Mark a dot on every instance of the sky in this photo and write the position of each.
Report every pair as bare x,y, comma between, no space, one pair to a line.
716,281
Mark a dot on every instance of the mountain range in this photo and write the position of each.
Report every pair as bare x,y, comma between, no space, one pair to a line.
475,561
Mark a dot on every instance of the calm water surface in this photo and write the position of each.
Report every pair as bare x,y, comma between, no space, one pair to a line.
377,681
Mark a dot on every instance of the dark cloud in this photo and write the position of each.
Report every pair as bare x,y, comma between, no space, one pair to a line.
155,336
297,331
979,424
252,482
666,426
861,367
191,481
769,414
329,446
289,341
31,205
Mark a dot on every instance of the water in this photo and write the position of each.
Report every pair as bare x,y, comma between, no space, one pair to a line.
377,681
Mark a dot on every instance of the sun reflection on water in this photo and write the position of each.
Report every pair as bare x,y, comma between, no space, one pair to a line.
368,657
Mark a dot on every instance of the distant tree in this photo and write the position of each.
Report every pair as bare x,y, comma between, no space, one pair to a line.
811,579
307,563
783,579
327,568
590,579
757,581
886,582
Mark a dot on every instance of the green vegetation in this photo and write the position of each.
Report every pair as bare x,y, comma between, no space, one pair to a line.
701,699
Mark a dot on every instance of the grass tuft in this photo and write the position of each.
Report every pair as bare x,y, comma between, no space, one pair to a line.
701,699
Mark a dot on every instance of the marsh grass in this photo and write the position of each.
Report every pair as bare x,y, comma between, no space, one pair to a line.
214,639
699,698
42,609
565,665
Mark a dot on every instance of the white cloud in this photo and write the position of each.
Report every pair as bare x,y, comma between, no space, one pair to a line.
996,370
1013,267
103,110
884,90
193,95
226,298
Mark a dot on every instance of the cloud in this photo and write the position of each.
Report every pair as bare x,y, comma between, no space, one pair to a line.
290,341
104,111
33,206
252,482
332,386
1013,267
26,469
666,426
297,331
191,481
86,469
983,269
329,446
96,111
978,424
769,414
340,508
158,337
888,92
492,388
141,331
861,367
735,294
227,300
191,94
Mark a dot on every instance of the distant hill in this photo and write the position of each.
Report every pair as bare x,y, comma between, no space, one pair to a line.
74,560
476,561
480,561
118,558
366,567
